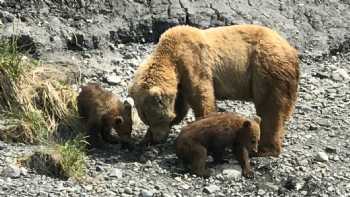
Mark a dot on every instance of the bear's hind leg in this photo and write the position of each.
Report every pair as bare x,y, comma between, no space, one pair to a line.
273,117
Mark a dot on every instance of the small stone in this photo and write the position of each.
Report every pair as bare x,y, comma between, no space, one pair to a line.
232,173
185,186
116,172
211,189
261,192
322,156
146,193
340,74
330,149
113,79
11,171
220,194
24,171
128,190
178,178
86,55
99,168
269,186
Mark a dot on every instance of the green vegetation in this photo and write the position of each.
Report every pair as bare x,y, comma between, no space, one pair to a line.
36,105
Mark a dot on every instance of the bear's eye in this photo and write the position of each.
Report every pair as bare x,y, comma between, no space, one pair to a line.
158,100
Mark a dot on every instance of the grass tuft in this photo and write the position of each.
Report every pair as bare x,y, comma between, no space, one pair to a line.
38,106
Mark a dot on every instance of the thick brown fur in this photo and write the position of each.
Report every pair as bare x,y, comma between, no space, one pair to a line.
103,113
193,67
212,134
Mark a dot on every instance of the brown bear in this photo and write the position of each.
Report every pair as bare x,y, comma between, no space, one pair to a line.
212,134
104,113
193,67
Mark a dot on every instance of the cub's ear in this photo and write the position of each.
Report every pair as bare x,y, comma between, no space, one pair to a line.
118,120
246,124
257,119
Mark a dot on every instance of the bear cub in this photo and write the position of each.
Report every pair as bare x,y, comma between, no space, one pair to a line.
212,134
103,113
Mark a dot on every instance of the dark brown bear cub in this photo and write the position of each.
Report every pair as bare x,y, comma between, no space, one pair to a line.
103,113
212,134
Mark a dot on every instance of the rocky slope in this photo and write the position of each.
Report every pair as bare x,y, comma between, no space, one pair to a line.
106,40
315,27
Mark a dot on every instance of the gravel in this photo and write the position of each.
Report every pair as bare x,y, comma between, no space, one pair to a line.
317,131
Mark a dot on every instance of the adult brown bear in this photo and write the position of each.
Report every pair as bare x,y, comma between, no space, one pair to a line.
194,67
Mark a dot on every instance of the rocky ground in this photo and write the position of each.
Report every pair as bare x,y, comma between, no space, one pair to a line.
316,156
315,160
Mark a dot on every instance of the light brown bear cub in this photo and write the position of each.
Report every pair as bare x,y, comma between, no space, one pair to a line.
212,134
193,67
104,113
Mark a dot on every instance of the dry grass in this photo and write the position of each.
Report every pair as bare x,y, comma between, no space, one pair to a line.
38,103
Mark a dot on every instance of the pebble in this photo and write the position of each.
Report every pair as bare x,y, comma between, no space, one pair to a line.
116,172
261,192
232,174
147,193
331,149
340,75
12,171
128,190
113,79
211,189
185,186
322,157
268,186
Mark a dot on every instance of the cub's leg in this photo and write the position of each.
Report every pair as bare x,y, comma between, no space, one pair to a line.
94,140
199,159
242,156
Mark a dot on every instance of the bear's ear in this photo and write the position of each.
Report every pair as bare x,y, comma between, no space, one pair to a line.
257,119
118,120
246,124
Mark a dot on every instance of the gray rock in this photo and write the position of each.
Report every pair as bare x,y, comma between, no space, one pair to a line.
232,173
340,75
128,190
211,189
116,172
321,156
12,171
268,186
331,149
147,193
113,79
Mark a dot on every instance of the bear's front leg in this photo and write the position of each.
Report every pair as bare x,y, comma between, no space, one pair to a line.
202,99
